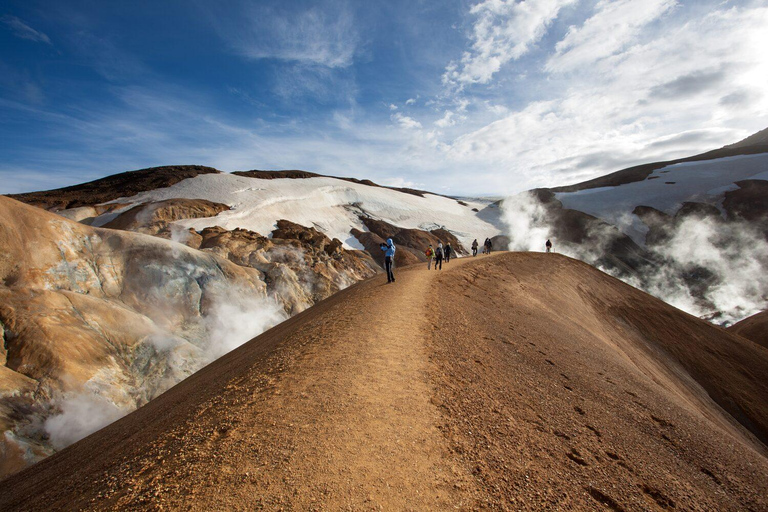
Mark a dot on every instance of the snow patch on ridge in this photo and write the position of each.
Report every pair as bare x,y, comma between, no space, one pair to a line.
667,188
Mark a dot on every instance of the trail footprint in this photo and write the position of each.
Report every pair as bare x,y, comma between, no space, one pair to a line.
576,457
603,498
662,500
661,421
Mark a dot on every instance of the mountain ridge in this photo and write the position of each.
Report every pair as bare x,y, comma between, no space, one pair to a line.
754,144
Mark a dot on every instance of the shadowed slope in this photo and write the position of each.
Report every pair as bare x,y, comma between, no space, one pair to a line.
516,381
754,328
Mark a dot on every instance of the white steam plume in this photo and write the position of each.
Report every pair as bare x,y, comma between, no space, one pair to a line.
525,218
707,267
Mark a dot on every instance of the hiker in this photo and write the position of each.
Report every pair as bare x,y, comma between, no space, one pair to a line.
448,251
389,259
485,246
474,248
488,246
430,252
549,246
439,256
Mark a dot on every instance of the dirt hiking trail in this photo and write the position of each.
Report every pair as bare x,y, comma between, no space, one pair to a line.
516,381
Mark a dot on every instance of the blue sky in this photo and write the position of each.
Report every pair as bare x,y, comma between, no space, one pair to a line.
461,97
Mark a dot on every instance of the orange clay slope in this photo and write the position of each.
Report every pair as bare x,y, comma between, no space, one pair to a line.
518,381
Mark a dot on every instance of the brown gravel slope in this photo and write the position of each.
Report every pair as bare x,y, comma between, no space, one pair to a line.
516,381
754,328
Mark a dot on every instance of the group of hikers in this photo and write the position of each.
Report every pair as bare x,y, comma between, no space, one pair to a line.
487,246
438,255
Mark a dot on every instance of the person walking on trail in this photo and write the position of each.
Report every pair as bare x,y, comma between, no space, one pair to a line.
485,246
448,251
488,246
474,247
389,259
439,256
549,246
430,252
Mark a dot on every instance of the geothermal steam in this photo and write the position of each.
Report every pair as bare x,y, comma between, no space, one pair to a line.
732,255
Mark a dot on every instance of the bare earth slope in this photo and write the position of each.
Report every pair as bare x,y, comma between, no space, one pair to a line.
754,328
516,381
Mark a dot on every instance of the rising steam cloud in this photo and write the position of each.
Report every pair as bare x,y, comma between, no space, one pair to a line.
710,268
232,318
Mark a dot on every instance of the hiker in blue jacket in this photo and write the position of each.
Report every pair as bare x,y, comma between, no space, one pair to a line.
389,259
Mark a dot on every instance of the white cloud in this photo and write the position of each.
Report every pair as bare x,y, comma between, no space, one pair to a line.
504,30
406,122
410,101
625,108
446,120
615,24
24,31
392,106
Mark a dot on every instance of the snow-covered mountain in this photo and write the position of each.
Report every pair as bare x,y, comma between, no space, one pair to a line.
332,205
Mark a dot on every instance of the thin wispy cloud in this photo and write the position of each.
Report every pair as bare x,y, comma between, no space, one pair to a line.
24,31
614,25
324,34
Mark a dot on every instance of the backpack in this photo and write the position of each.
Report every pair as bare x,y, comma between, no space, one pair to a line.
429,252
439,252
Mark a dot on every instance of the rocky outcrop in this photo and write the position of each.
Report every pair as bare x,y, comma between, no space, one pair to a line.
157,218
411,243
749,203
301,265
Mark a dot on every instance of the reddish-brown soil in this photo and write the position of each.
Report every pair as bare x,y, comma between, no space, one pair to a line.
517,381
113,187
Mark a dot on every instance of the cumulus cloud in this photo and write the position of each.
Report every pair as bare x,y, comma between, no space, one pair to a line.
446,120
406,122
504,30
